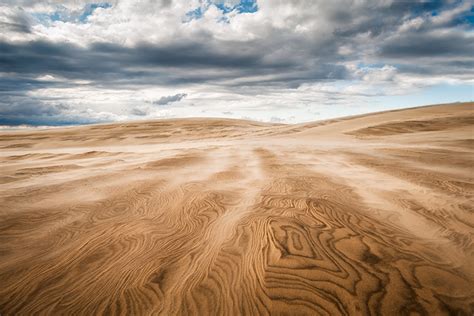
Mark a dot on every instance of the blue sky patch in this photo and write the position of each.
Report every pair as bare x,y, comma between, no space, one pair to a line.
64,15
194,14
247,6
244,6
467,18
89,9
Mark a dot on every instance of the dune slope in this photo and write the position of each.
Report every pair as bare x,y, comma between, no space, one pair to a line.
364,215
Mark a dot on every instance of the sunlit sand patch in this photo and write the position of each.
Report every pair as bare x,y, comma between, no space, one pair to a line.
364,215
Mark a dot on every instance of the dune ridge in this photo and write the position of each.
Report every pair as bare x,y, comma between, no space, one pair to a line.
370,215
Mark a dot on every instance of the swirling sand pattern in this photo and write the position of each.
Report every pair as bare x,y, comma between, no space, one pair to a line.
369,215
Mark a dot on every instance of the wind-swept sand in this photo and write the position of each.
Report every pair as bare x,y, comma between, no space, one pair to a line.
364,215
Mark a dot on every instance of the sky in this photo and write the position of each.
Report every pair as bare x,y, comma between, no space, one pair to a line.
287,61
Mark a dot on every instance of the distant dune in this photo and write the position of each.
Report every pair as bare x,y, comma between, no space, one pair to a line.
370,214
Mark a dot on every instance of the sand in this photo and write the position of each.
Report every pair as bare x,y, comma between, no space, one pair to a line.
363,215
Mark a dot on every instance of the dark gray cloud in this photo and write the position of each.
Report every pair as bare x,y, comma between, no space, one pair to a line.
170,99
145,64
139,111
18,22
26,110
428,44
382,19
14,83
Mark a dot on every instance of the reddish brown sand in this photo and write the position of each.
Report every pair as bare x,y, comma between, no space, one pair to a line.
363,215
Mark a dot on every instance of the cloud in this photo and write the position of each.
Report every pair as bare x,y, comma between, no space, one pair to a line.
275,119
24,109
15,21
247,57
170,99
429,44
29,111
173,64
139,111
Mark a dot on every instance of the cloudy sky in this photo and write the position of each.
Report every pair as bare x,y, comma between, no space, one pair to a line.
76,62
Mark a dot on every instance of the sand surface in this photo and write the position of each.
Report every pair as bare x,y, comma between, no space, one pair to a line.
363,215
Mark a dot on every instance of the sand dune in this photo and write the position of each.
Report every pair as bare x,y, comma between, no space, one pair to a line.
371,214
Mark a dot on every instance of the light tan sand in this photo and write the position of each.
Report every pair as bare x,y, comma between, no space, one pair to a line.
363,215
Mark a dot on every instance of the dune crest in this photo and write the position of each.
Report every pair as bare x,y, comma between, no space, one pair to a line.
365,215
